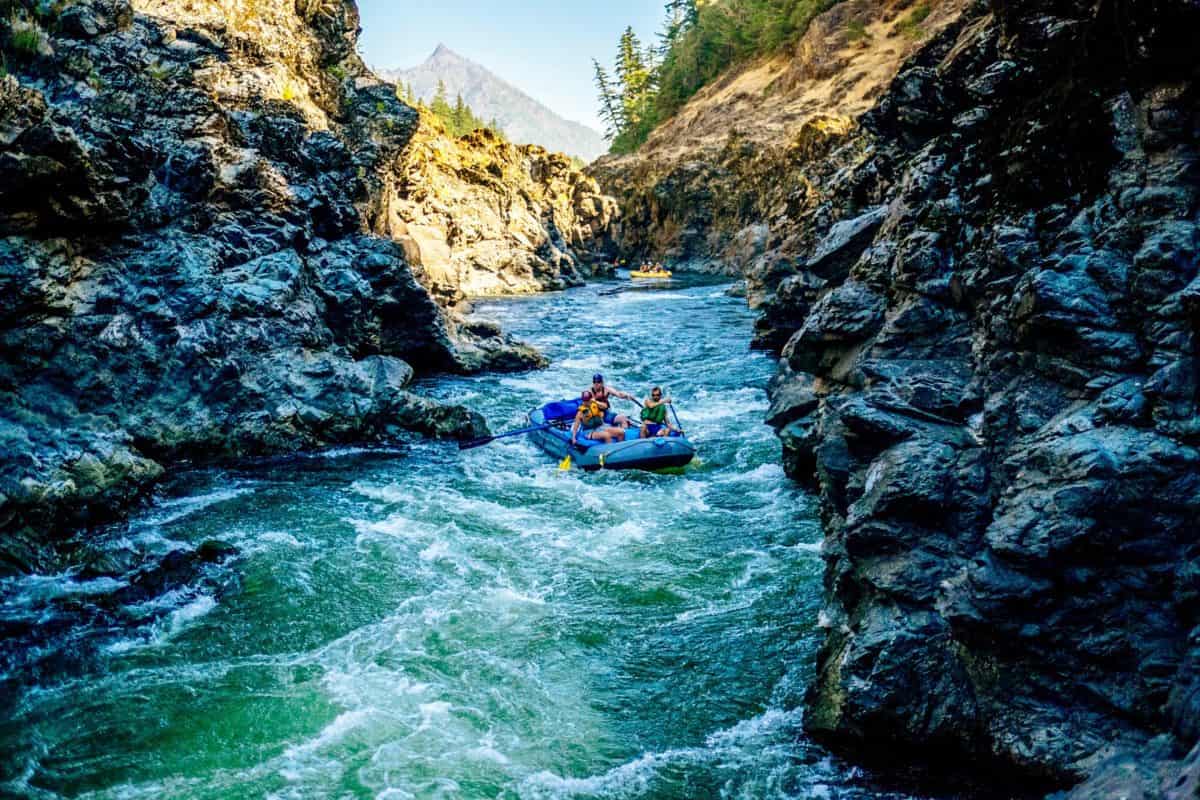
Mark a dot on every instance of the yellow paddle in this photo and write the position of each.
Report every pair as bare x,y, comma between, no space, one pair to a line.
565,464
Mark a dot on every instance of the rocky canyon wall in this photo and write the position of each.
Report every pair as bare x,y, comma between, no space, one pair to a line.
715,187
207,248
481,216
984,291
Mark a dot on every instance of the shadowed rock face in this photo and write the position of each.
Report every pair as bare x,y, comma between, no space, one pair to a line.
989,334
193,258
984,293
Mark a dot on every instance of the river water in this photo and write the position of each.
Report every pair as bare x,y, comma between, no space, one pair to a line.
420,622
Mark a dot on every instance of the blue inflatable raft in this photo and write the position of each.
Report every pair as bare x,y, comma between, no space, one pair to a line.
658,452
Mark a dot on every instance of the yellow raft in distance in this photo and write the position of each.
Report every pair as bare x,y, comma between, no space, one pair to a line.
648,273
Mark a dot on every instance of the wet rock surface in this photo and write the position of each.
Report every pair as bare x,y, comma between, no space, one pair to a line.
989,338
194,256
984,293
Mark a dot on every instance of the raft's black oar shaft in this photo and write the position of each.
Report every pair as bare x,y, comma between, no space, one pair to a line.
678,424
469,443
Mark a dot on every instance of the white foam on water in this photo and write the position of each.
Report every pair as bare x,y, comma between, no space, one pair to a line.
28,591
282,537
586,363
391,493
169,511
505,597
332,733
716,405
689,496
163,630
616,537
592,501
437,551
760,563
726,749
436,711
533,383
762,474
748,731
715,610
396,526
392,793
630,779
335,453
651,297
304,762
356,684
181,618
486,753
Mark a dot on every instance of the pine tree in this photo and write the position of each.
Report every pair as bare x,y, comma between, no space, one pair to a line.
462,121
682,15
636,78
439,105
698,41
610,108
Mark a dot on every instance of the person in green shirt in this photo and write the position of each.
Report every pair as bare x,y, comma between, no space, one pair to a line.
654,415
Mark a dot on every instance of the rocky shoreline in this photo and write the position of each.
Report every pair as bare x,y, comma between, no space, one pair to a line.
203,251
984,294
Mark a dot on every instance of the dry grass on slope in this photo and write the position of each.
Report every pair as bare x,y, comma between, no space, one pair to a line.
839,67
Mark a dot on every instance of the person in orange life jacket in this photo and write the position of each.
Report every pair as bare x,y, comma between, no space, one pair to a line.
590,417
603,394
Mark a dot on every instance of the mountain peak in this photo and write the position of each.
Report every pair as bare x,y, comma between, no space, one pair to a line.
522,118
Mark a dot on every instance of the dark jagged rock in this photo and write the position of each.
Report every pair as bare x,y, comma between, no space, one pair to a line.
195,259
984,293
992,381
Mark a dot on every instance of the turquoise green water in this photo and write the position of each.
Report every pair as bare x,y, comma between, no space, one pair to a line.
427,623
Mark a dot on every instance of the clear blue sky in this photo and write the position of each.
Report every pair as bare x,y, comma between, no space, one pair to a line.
544,48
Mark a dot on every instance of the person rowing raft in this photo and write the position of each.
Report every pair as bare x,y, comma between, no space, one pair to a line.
654,415
603,394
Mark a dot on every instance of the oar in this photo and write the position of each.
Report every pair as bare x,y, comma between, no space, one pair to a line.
678,424
469,443
565,464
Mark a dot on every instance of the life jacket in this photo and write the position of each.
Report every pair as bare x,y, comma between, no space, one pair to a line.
592,413
657,414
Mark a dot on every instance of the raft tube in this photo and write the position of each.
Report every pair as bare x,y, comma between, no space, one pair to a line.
641,273
659,452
